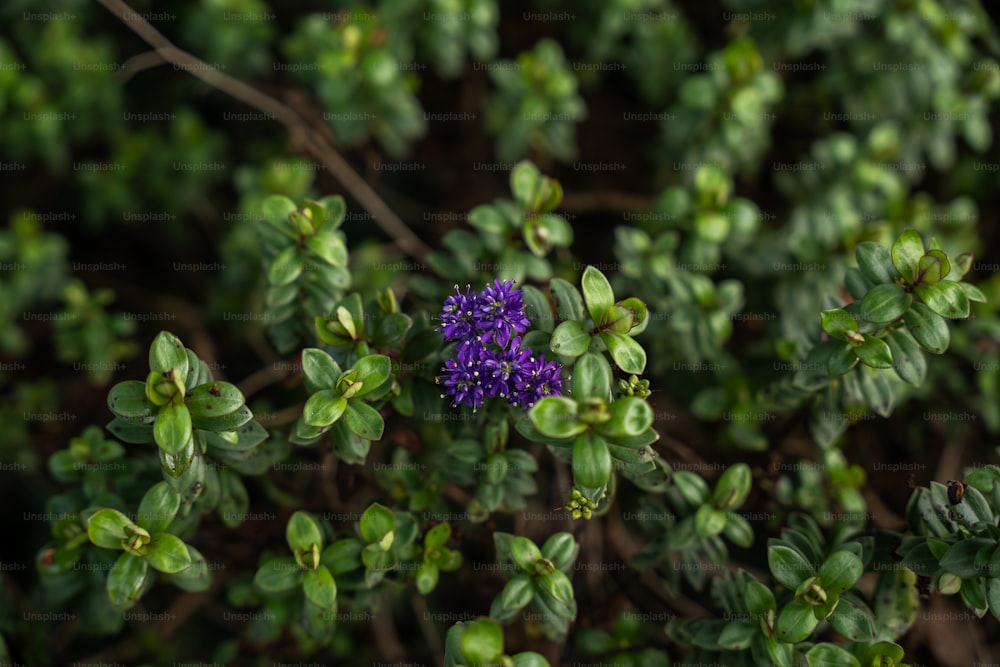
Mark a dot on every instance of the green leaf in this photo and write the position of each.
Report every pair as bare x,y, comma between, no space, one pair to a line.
830,655
945,298
885,303
489,219
195,578
319,369
569,303
319,586
214,400
556,417
875,262
759,598
126,580
344,555
363,420
796,622
302,532
324,408
529,659
376,559
928,328
128,400
517,593
597,294
960,559
896,602
437,537
738,530
525,182
482,643
906,254
591,460
328,246
158,507
840,571
336,210
591,377
130,431
377,521
788,565
234,502
733,487
875,389
172,428
933,267
278,575
561,549
712,226
570,339
907,357
630,417
537,308
167,353
853,619
167,553
874,352
373,370
842,360
837,322
738,635
276,210
106,528
691,487
525,553
285,267
627,353
973,293
427,577
857,283
993,596
228,422
708,521
556,584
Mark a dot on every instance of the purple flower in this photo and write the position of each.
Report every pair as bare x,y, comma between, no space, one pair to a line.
489,360
463,379
457,315
537,379
503,369
499,313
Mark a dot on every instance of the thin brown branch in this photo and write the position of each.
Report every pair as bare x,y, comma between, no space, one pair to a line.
260,379
138,63
604,201
302,134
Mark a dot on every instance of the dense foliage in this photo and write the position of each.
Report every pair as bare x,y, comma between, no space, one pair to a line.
683,348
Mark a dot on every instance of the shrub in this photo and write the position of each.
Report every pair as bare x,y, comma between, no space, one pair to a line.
703,370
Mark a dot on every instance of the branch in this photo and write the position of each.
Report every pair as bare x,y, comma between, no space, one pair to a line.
303,136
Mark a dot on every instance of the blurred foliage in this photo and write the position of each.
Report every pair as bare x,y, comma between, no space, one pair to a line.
802,248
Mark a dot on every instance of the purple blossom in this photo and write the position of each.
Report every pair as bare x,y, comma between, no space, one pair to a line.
490,361
499,312
457,315
463,378
537,379
504,369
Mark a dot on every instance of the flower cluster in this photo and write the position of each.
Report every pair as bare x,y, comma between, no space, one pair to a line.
490,360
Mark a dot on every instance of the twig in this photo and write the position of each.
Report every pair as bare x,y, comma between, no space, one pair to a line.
302,135
430,632
138,63
386,638
261,378
600,201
